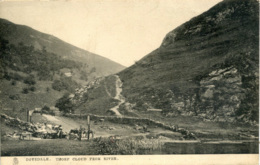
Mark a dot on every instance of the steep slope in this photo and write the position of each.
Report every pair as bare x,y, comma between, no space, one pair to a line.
36,69
16,34
207,67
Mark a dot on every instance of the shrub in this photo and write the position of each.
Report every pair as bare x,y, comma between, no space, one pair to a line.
32,88
58,85
65,83
25,91
46,108
13,83
16,76
93,70
14,97
29,80
64,104
7,76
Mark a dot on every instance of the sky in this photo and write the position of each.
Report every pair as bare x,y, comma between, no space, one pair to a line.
121,30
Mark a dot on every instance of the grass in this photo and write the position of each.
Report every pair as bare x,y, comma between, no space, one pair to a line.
104,146
6,130
99,99
206,129
47,147
29,101
129,146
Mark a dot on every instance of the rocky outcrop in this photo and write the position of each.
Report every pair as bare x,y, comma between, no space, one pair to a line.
221,94
78,96
218,97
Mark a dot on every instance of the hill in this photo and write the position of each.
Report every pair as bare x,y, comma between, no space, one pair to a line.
16,34
37,68
206,68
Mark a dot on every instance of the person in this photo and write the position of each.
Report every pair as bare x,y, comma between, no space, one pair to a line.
80,133
59,131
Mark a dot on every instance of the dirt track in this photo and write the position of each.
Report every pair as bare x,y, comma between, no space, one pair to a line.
67,124
104,129
100,129
118,96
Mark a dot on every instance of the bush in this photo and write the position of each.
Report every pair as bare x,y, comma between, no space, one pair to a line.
46,108
14,97
29,80
7,76
16,76
64,104
58,85
13,83
25,91
32,88
65,83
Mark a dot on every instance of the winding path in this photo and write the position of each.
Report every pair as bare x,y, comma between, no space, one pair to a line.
118,96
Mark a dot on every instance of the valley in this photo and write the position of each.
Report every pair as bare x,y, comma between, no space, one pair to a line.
197,93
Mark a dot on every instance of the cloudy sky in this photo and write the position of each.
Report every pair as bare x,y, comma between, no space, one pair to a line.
121,30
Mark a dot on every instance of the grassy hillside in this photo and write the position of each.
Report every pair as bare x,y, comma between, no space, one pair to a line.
96,97
37,69
207,67
172,77
33,78
16,34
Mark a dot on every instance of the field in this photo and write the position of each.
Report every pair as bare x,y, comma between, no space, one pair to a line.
127,139
46,147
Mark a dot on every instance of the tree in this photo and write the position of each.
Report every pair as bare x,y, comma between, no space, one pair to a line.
46,108
32,89
25,91
64,104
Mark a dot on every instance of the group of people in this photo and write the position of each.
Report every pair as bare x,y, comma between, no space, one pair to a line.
80,133
38,129
54,131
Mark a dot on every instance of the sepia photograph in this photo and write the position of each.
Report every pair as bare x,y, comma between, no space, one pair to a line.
105,80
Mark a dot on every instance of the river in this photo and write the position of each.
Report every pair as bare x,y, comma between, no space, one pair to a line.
207,148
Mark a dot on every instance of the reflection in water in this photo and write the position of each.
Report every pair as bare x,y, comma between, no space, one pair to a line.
204,148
